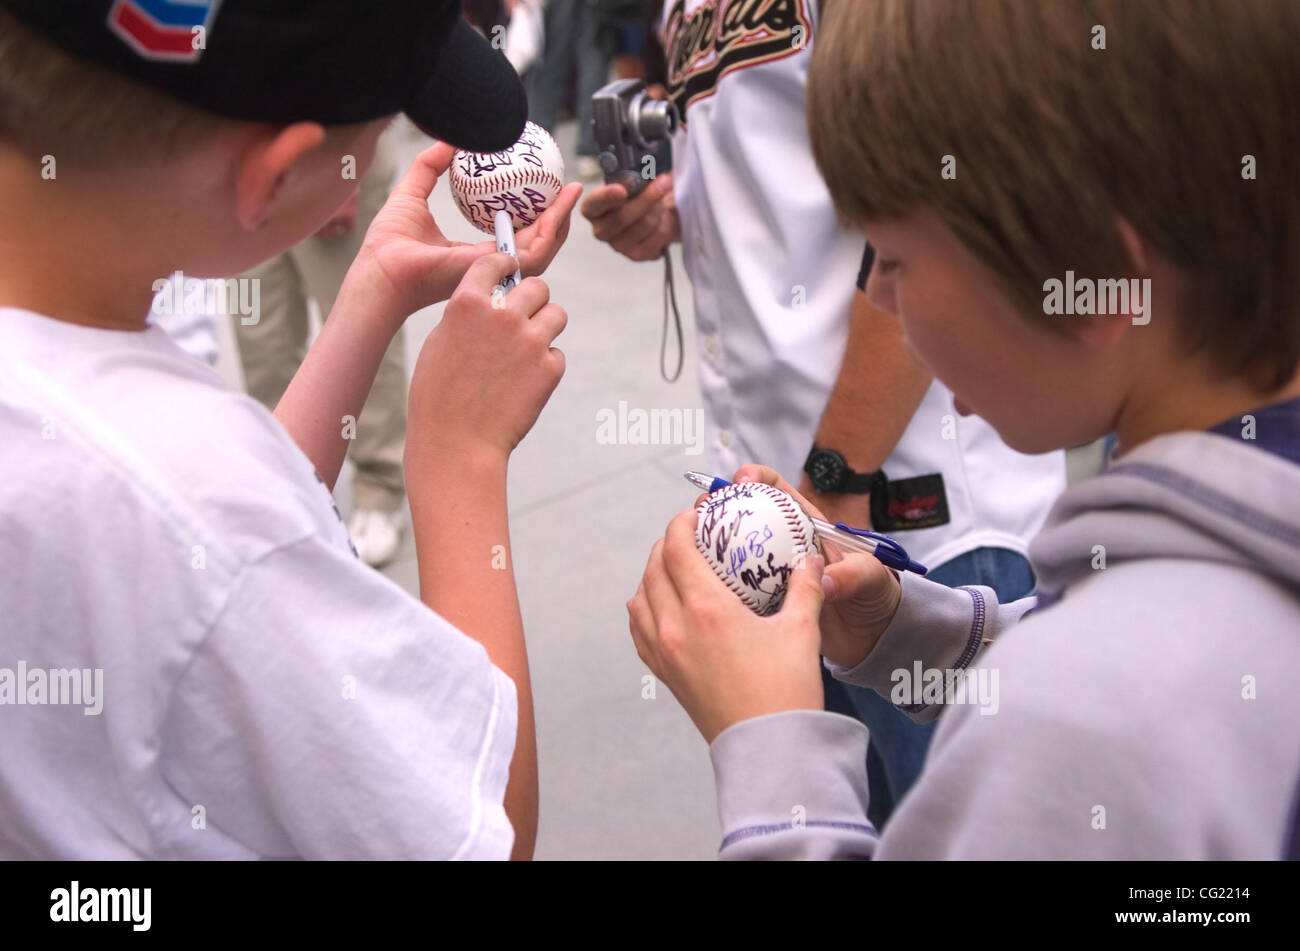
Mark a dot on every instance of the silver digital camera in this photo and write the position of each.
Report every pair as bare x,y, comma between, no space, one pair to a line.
630,131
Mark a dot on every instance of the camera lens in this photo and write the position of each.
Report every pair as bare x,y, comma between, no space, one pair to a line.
652,119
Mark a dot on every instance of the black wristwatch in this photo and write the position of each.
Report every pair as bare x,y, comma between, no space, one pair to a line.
829,472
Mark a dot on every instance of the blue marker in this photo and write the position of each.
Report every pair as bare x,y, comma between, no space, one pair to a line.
887,551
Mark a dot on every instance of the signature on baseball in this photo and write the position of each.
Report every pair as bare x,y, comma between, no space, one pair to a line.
522,181
526,205
527,150
738,542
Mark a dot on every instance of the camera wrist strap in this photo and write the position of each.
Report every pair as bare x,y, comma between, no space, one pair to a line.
670,295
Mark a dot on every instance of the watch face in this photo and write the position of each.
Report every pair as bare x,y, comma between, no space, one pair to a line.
826,469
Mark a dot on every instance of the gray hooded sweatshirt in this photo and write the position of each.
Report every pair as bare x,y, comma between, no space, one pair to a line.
1144,706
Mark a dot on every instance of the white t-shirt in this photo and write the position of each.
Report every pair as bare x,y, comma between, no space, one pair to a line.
774,276
264,693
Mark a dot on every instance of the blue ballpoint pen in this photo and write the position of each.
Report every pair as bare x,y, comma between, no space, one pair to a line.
886,550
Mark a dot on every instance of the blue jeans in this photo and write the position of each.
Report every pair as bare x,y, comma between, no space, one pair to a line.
898,743
573,42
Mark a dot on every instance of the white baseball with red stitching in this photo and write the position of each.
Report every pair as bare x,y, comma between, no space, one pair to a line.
754,535
523,180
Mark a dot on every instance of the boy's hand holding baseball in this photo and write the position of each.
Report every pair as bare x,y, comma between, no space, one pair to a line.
414,262
723,662
862,595
485,371
406,263
638,228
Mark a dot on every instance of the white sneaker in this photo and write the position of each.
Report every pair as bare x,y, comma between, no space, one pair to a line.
376,534
589,168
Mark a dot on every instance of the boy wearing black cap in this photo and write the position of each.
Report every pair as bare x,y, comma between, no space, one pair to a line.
203,667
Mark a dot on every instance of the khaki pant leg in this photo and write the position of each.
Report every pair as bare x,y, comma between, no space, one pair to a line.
271,350
381,430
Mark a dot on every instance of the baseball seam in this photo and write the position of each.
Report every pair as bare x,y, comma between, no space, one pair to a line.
515,178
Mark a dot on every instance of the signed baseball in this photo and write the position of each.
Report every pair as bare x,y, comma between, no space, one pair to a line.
754,535
523,180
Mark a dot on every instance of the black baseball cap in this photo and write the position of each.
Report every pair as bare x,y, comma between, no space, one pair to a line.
330,61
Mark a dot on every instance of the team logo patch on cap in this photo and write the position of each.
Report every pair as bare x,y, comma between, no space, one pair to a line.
163,29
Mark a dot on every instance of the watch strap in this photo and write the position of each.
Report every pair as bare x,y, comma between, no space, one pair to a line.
860,483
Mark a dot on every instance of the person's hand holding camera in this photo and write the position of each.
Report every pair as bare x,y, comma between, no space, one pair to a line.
640,227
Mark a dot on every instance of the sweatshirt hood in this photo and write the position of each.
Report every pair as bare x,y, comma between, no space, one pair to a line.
1200,496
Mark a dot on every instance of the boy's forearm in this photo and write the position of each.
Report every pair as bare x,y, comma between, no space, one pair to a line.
462,542
320,408
876,394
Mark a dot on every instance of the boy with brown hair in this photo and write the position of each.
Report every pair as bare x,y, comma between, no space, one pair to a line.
250,688
1085,217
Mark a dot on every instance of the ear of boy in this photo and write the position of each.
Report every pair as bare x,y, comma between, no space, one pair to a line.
264,168
1104,332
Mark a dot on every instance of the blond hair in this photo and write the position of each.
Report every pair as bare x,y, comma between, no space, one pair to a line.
1055,139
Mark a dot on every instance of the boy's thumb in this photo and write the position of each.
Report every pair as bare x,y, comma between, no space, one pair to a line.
856,576
488,270
425,171
804,595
